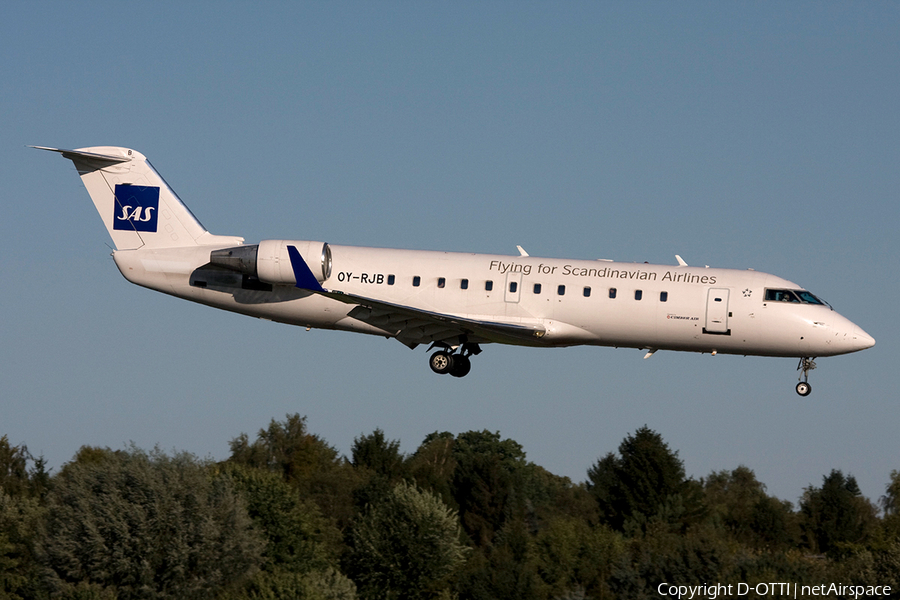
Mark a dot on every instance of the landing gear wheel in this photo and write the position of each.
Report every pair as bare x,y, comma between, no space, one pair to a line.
461,365
806,365
441,362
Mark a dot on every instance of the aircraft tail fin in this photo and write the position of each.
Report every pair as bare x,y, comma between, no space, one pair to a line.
137,206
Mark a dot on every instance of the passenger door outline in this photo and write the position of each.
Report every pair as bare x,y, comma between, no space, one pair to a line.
717,312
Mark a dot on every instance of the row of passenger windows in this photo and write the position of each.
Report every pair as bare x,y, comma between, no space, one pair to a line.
514,287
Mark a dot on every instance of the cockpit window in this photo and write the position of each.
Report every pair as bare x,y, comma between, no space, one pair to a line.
795,296
781,296
808,298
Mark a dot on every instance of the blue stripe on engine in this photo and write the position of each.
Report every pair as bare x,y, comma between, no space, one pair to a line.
305,279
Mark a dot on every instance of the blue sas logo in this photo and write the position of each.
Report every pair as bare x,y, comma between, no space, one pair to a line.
136,208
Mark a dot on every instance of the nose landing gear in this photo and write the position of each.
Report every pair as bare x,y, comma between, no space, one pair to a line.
806,365
458,365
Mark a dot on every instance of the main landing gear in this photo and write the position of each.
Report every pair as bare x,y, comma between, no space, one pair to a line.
457,364
806,365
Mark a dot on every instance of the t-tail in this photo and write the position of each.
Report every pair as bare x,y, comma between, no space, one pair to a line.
137,206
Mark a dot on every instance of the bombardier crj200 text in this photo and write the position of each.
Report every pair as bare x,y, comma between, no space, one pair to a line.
452,301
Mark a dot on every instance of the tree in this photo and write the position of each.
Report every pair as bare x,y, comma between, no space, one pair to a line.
486,483
406,546
377,454
890,502
433,464
284,585
286,447
739,501
379,463
638,482
836,516
298,538
145,526
659,555
572,555
13,468
305,461
19,519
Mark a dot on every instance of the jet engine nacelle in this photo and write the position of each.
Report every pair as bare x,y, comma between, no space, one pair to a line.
269,261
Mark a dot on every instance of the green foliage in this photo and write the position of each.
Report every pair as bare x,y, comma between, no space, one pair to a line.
328,584
19,519
287,448
486,481
13,468
646,479
305,461
836,517
660,555
406,546
505,570
571,556
147,526
377,454
739,502
379,464
890,502
21,490
298,537
433,464
279,517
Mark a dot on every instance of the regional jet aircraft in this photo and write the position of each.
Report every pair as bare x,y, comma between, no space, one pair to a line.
453,302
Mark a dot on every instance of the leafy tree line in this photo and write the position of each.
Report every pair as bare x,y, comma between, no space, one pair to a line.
464,516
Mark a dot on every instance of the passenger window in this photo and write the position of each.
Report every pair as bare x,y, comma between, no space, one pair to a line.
561,290
587,292
416,281
488,285
612,292
638,294
390,280
664,296
513,286
464,284
441,282
537,288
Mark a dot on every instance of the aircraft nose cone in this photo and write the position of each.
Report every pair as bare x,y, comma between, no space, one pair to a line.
861,340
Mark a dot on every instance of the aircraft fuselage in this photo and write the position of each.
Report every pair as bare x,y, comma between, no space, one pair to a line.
590,302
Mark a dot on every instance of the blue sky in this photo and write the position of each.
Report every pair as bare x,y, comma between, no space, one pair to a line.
761,135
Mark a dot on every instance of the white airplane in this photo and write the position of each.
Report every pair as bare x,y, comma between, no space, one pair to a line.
454,302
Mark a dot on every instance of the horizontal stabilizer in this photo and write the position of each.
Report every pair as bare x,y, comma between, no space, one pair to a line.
76,154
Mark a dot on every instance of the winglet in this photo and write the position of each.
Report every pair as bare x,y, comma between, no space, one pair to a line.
305,279
522,251
681,262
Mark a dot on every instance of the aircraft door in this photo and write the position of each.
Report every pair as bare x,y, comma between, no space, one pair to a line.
717,312
513,287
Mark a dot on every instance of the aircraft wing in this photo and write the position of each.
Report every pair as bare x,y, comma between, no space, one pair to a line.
413,326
